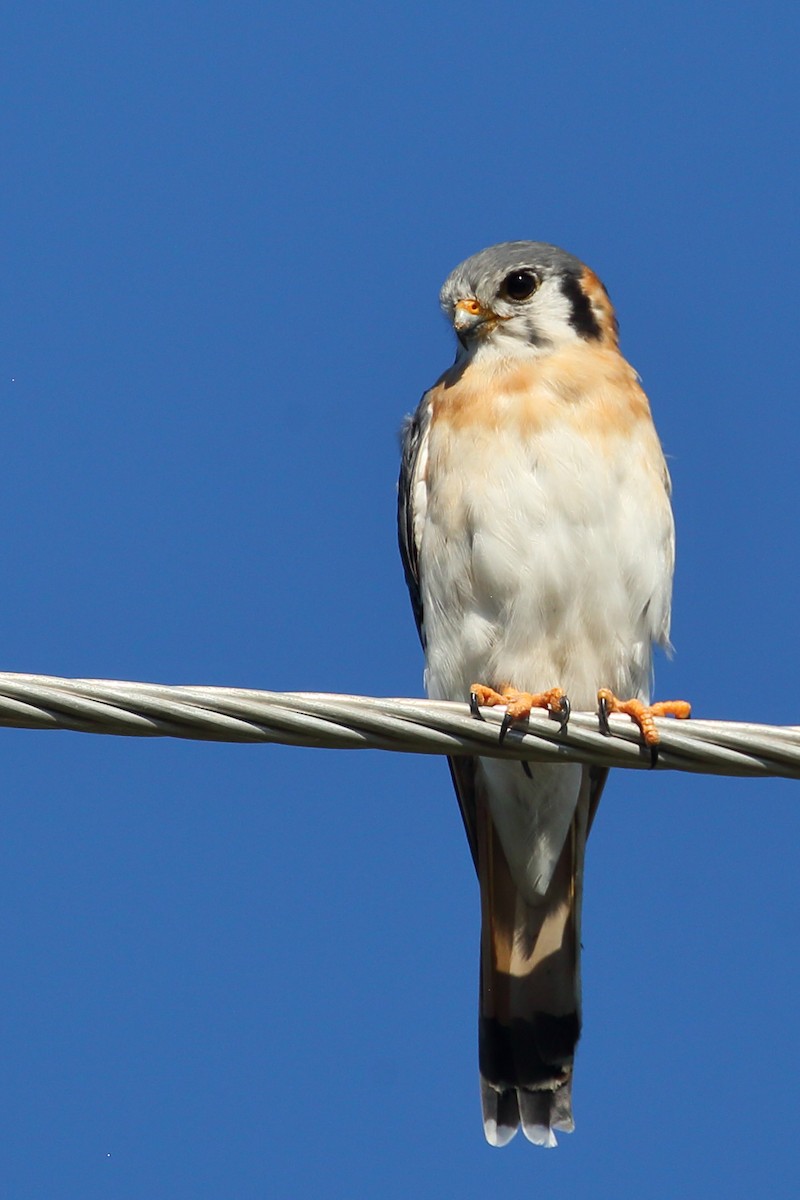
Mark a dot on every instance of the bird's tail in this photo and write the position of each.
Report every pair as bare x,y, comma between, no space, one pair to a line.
530,1003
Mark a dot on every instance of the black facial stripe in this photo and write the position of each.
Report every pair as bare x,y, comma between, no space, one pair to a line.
582,318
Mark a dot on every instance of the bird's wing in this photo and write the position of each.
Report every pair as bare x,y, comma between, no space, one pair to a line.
411,501
408,516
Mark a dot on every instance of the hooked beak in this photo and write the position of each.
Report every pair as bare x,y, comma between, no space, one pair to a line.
468,315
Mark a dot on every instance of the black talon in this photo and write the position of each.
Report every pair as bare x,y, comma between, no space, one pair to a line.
562,713
474,707
508,721
527,769
653,756
602,716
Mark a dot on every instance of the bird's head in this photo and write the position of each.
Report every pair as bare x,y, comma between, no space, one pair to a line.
522,298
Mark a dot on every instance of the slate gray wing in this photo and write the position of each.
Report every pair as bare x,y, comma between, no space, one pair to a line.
462,768
412,436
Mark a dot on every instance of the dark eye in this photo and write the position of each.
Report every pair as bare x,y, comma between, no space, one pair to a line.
519,285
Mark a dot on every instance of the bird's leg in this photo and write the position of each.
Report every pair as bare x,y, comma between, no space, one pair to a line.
518,704
642,715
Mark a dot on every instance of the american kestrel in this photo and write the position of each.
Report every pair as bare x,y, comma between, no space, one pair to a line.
538,544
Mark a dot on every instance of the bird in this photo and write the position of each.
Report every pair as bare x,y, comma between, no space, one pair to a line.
538,544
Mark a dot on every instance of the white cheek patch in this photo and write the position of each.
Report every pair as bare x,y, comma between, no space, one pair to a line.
549,313
530,329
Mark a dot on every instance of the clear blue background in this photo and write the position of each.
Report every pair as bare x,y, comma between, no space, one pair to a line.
251,971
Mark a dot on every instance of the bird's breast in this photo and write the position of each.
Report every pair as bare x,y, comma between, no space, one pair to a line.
547,535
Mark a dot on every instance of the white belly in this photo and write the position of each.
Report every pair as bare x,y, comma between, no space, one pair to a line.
543,562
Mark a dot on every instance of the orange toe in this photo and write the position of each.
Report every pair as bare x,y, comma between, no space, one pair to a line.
642,714
518,704
485,696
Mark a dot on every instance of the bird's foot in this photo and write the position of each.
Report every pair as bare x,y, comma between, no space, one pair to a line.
642,715
518,704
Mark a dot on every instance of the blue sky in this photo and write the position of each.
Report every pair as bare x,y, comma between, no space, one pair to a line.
250,971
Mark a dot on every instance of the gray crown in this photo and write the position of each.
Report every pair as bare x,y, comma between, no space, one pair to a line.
482,274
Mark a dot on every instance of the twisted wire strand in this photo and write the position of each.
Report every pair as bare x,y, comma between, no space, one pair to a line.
228,714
